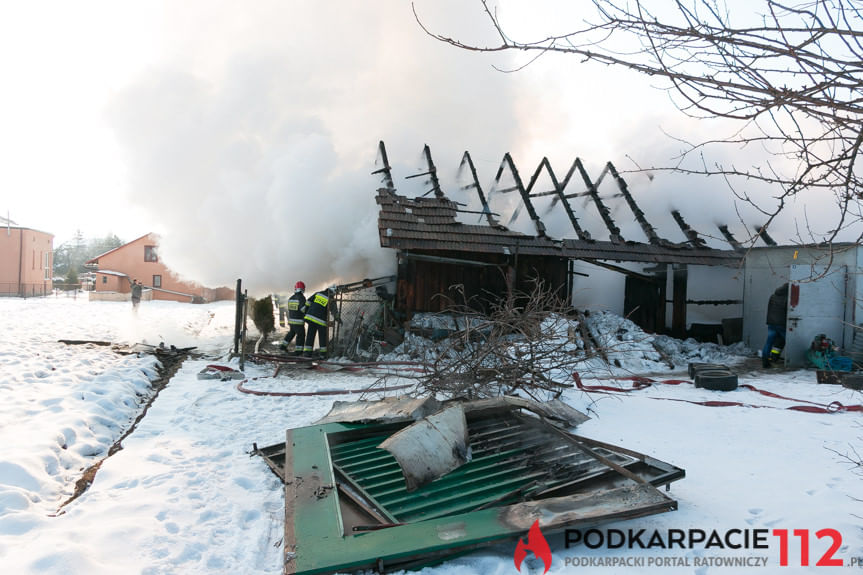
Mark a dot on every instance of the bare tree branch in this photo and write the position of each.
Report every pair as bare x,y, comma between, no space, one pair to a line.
791,72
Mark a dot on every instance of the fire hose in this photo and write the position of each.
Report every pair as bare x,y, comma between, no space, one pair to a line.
243,389
640,382
329,367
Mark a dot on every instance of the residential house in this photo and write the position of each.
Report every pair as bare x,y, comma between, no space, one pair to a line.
139,259
26,260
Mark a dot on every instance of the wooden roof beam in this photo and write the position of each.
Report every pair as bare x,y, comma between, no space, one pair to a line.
730,238
386,170
525,197
691,235
648,229
558,191
466,160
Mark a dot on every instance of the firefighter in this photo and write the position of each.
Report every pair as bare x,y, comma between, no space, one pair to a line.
296,310
318,308
777,312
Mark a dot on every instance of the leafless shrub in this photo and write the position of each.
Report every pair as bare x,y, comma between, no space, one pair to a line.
529,342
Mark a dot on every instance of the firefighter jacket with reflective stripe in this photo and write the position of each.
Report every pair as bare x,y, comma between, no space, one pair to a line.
296,308
316,311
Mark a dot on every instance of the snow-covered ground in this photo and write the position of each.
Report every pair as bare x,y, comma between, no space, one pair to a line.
183,496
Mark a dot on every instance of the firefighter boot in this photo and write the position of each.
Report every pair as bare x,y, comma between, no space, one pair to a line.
776,356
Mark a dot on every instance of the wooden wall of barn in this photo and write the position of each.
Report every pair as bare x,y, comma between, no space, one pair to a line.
433,286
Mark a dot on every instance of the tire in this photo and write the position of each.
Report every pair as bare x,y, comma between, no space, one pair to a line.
716,380
694,368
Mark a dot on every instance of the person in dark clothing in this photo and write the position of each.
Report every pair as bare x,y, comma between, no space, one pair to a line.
296,313
777,313
137,287
318,309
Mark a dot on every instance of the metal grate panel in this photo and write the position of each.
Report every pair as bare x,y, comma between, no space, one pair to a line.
513,457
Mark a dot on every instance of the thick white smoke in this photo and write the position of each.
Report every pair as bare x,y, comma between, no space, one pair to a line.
252,144
252,141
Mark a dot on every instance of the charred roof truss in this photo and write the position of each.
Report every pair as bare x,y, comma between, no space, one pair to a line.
430,223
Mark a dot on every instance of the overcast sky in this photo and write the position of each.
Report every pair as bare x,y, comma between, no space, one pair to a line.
245,134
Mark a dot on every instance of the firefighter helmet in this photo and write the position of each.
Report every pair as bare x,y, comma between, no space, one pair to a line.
299,286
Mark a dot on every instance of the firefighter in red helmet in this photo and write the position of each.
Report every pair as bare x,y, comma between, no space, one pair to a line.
296,313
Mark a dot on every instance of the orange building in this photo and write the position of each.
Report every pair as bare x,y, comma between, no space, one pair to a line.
139,260
26,261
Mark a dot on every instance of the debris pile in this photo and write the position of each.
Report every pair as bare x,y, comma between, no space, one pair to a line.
387,485
470,356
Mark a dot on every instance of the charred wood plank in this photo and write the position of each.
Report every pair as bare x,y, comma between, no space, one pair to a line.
467,160
730,238
687,230
525,197
604,212
648,229
765,237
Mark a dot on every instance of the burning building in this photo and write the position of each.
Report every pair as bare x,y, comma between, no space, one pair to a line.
443,257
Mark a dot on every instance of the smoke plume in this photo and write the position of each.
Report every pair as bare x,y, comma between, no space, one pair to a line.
250,143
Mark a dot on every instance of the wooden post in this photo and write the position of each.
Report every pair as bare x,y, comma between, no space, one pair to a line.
661,284
678,309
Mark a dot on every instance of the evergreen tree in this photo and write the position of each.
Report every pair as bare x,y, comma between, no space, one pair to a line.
71,277
71,255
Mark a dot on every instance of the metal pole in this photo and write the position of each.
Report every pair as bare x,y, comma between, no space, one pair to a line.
336,326
243,332
238,316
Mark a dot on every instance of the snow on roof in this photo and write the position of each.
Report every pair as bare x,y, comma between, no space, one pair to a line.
112,273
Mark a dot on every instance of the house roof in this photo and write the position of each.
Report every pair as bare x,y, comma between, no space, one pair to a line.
429,224
13,226
96,259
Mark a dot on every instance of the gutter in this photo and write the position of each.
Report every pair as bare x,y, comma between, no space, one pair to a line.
20,259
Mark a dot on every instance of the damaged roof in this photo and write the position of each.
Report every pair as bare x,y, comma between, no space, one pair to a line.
349,504
431,223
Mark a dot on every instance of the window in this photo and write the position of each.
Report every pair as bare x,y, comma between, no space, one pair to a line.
104,279
150,254
157,281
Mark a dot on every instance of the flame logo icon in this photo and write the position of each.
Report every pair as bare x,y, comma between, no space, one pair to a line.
536,543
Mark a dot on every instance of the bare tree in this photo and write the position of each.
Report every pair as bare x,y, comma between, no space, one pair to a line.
790,73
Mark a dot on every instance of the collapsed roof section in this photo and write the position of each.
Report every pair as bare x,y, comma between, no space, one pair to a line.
432,223
350,504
